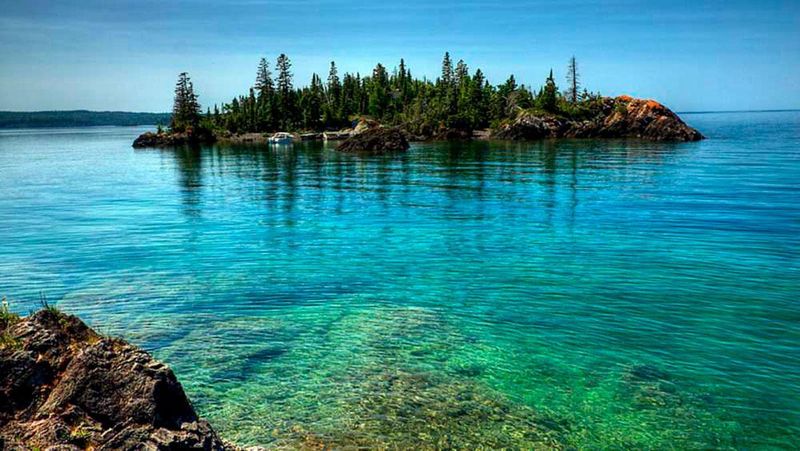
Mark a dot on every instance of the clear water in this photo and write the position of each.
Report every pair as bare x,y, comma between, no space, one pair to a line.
554,294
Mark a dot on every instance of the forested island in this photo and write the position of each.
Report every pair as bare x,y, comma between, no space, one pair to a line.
456,105
78,118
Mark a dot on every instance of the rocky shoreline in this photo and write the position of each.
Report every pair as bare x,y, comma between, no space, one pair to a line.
63,386
619,117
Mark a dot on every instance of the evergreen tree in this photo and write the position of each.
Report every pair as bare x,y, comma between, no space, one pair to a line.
311,104
548,96
379,93
403,79
447,70
573,82
185,109
285,94
333,96
264,83
461,74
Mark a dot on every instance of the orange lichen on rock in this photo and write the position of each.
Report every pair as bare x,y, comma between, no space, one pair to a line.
624,98
654,105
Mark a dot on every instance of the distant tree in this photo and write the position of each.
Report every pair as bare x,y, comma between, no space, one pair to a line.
461,73
185,109
264,84
311,104
573,82
447,70
334,85
548,96
285,94
379,92
403,81
333,98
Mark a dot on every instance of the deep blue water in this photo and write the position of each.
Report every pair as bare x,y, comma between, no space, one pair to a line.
595,294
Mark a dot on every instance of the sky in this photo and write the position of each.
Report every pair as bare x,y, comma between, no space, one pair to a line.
126,55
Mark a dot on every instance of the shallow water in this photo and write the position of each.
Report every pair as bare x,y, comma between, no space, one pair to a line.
597,294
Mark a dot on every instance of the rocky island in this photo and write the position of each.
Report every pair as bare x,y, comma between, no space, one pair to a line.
459,104
63,386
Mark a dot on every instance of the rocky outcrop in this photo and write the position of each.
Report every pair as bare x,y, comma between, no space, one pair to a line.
376,141
364,124
172,139
620,117
63,386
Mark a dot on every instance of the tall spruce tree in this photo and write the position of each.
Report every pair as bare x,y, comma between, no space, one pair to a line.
333,98
311,103
447,70
285,94
379,93
548,96
573,82
264,84
185,109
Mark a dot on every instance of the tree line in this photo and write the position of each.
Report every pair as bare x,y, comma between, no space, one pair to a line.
458,99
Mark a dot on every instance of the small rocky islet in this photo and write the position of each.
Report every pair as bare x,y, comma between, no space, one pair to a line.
613,117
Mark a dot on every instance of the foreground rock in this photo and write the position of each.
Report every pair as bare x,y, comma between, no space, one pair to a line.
620,117
377,140
63,386
172,139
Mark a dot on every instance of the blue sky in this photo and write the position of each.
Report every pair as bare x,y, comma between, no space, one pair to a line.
125,55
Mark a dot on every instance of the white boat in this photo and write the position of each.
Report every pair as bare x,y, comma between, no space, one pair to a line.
280,138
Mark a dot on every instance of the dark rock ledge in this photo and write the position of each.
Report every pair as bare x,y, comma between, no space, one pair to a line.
377,140
65,387
162,138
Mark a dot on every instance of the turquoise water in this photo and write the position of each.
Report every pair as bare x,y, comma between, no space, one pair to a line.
590,294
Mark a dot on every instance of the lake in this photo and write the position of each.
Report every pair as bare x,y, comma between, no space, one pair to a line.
590,294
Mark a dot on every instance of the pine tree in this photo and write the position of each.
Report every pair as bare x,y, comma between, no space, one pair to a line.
284,74
447,70
285,94
265,107
264,83
334,85
573,82
548,96
462,72
333,97
185,109
379,92
403,80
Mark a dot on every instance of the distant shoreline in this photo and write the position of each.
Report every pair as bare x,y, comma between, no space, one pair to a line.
78,118
790,110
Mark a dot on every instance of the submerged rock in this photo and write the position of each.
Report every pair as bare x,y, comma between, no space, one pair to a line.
63,385
620,117
376,141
